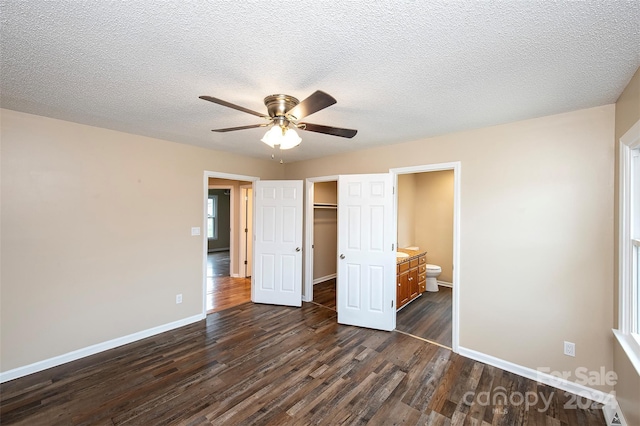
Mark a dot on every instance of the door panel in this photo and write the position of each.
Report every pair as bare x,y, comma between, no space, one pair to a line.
277,275
366,263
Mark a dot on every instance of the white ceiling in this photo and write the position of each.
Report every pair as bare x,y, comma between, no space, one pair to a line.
400,70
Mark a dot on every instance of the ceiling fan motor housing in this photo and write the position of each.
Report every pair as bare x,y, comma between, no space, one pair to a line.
278,105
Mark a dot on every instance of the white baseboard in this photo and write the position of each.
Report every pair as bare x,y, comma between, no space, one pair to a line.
538,376
445,284
236,276
5,376
325,278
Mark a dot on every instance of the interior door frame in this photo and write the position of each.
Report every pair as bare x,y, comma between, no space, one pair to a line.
244,256
307,285
456,166
212,174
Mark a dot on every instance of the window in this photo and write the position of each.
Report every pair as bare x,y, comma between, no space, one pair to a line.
212,217
628,333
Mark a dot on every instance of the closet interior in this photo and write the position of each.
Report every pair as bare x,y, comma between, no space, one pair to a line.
325,230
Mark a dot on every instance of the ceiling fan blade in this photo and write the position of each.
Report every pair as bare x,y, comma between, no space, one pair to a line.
335,131
317,101
231,129
230,105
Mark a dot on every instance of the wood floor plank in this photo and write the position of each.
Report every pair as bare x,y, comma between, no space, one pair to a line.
269,365
224,291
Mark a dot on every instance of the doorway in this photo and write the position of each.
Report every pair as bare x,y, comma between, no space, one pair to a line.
427,217
227,248
321,227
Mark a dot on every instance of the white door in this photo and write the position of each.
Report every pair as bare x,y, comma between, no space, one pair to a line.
366,283
277,260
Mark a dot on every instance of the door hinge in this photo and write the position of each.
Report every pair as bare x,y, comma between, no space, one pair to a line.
393,189
392,303
245,262
393,247
246,229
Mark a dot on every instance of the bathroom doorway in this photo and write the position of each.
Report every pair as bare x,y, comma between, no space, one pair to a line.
427,217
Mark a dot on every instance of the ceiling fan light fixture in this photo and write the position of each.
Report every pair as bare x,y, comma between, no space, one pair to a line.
287,139
273,136
290,139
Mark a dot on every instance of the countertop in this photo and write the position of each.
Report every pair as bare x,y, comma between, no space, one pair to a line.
411,253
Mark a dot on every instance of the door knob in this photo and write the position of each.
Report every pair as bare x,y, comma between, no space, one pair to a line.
342,256
297,248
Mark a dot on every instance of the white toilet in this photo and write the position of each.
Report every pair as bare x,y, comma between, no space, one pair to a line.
432,273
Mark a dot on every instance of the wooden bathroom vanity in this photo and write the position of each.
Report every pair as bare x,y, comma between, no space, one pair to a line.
412,276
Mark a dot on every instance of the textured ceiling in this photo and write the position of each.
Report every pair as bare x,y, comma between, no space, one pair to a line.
400,70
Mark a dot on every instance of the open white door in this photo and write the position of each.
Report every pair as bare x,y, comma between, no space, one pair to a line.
277,260
366,262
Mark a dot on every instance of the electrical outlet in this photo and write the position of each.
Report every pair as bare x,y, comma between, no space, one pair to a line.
569,348
178,298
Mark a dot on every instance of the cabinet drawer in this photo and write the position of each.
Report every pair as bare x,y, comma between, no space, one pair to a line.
402,267
423,287
422,277
422,259
413,263
422,269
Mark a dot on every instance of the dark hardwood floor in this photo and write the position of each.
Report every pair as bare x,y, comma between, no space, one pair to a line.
427,317
325,294
224,291
262,364
218,264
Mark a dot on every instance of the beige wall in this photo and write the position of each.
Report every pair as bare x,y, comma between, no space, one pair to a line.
325,240
406,210
628,386
325,230
536,240
96,233
325,192
434,219
425,217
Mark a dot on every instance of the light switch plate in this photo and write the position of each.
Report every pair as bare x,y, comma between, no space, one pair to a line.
195,231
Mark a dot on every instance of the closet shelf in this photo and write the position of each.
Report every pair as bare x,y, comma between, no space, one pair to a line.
325,206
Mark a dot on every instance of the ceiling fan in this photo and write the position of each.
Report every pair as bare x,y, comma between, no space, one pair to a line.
285,111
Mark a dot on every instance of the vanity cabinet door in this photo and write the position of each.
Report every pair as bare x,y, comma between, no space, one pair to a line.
403,289
414,288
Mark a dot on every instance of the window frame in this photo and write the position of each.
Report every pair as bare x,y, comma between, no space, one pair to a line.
628,329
